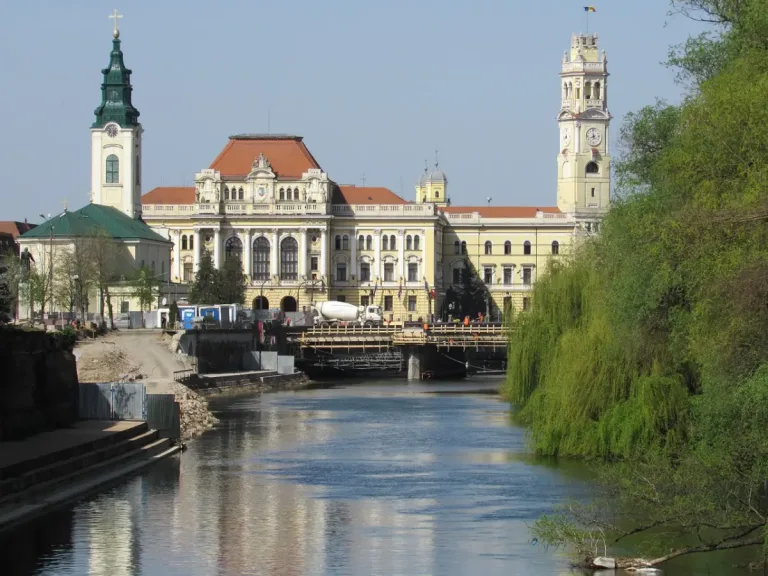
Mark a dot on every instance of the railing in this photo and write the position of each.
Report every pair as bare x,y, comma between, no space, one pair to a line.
584,67
233,208
415,210
474,217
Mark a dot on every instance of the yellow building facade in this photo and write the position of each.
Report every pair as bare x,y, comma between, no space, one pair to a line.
302,237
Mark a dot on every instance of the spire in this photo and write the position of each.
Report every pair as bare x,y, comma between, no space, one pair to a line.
116,89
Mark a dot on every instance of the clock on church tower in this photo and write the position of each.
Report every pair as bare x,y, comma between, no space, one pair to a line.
116,138
583,161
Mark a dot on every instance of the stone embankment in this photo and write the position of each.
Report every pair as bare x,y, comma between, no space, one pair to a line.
146,357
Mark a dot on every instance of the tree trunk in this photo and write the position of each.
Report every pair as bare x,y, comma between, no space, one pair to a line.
109,308
101,306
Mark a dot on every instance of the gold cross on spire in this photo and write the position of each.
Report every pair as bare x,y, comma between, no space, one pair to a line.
115,16
65,204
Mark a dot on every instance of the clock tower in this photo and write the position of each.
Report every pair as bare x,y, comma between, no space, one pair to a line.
116,139
584,160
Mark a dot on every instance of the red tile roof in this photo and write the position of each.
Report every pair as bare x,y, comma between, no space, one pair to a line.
500,211
15,228
288,155
365,195
170,195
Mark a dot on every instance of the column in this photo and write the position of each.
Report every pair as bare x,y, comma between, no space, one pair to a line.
323,253
217,249
176,273
401,255
423,270
274,254
247,254
302,253
377,255
196,251
353,255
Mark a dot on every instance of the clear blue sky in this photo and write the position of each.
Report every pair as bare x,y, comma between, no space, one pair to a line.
373,86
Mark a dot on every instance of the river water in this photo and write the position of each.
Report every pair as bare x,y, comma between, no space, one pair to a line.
364,478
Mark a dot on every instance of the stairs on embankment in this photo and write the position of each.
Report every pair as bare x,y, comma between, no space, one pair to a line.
33,486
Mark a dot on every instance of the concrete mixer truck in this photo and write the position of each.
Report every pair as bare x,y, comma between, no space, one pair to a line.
345,314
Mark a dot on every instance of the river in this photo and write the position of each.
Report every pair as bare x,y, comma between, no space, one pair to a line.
363,478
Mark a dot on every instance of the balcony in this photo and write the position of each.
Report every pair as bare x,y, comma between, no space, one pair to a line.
233,209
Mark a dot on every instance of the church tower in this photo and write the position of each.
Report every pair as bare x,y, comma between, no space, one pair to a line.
433,187
116,139
584,160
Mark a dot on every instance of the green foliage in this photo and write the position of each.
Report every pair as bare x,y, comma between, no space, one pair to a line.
649,346
67,337
232,282
469,297
144,288
225,286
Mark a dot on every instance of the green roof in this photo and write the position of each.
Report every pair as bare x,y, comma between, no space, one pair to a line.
85,221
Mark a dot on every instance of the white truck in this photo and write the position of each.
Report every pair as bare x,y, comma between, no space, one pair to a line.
345,314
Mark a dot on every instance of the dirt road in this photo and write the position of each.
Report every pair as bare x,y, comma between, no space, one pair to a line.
145,356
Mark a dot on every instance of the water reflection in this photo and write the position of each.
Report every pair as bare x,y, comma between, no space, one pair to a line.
370,479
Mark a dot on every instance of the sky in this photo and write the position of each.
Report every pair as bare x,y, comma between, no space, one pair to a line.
375,87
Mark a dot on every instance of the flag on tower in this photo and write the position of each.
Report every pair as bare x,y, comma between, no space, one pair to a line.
590,9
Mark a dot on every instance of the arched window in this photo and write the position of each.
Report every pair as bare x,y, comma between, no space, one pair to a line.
570,89
578,93
191,242
345,242
392,243
437,193
337,242
240,194
113,169
597,93
184,242
555,247
588,90
488,247
368,242
593,168
282,193
233,247
295,193
385,242
507,248
261,259
226,193
416,242
526,247
464,248
565,90
456,247
408,242
361,242
289,259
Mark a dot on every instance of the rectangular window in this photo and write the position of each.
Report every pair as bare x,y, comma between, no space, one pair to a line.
313,263
124,307
365,300
411,303
526,304
527,274
488,275
413,272
507,276
341,298
341,272
365,272
388,303
457,275
389,272
189,275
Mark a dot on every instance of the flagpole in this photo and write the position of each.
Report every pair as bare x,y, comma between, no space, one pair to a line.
587,22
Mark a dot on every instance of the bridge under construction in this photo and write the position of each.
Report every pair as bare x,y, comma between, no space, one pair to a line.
425,352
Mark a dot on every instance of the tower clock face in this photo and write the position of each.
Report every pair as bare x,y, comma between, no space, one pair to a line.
111,130
593,137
